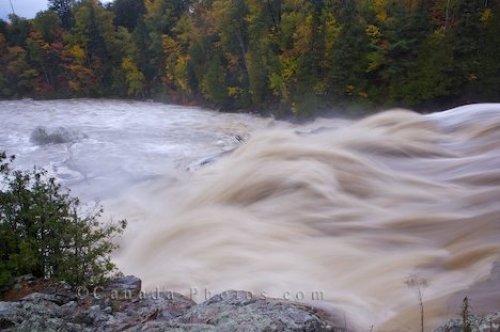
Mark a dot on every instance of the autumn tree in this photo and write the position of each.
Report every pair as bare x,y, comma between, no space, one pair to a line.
286,57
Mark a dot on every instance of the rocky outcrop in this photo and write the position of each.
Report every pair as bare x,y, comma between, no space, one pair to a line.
121,307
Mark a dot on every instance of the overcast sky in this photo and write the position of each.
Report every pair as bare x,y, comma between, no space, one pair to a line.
24,8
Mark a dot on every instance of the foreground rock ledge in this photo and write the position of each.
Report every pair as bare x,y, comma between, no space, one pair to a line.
56,307
59,308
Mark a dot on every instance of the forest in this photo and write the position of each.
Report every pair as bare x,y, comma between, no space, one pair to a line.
286,57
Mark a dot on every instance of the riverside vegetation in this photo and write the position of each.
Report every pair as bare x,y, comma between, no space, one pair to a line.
293,57
44,233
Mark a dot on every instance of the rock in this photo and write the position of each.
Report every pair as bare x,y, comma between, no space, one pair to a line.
486,323
37,297
235,311
21,281
124,288
7,309
68,308
6,323
8,315
43,136
58,308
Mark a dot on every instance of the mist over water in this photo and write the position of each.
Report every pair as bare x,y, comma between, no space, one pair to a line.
346,209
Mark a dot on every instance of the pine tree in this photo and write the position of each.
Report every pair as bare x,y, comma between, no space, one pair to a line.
43,232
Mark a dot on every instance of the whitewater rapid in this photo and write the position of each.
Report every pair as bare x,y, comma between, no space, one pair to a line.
336,213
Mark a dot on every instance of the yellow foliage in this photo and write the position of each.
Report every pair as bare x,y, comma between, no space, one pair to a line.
77,53
373,32
321,88
180,72
151,7
233,91
380,10
74,85
133,76
332,29
303,35
289,67
487,16
349,89
363,94
170,46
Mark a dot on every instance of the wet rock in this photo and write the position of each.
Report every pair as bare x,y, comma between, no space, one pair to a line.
43,136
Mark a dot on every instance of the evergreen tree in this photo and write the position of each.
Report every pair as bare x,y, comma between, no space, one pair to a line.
128,13
42,231
349,56
468,38
488,77
63,8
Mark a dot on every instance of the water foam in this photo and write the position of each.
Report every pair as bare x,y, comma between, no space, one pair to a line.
351,212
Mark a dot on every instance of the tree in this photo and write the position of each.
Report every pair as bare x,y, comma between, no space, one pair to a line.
467,36
79,79
128,13
44,45
95,34
432,75
17,31
17,78
43,232
214,83
406,30
134,78
64,9
49,25
489,50
349,56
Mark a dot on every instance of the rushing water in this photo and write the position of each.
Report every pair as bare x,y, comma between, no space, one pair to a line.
344,210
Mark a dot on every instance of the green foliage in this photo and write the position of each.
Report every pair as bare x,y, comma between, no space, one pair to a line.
43,232
128,13
349,55
63,9
48,24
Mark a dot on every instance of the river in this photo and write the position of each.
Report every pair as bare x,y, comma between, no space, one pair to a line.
342,214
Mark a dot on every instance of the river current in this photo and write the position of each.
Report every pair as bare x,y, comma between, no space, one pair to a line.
354,216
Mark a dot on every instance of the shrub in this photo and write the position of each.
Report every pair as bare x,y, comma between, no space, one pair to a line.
43,232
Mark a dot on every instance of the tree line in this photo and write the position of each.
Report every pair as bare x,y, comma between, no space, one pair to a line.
292,57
